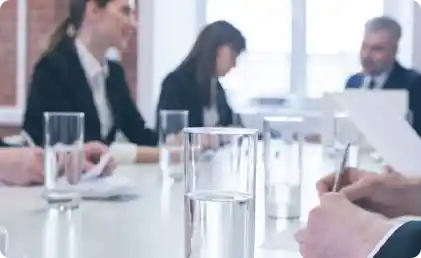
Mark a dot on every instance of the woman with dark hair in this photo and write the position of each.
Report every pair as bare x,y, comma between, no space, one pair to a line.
194,84
73,75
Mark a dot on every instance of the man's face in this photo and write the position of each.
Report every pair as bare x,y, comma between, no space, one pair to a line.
378,51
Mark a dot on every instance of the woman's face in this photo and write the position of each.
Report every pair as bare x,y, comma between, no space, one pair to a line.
226,59
116,23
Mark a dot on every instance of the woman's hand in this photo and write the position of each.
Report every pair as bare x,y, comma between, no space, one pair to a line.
22,166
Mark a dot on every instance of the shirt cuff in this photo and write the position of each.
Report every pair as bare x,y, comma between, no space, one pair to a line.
384,240
124,153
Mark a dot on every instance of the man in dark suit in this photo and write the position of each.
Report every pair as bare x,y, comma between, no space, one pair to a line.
381,70
347,222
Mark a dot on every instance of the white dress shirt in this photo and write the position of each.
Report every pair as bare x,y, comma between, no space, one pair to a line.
96,74
379,80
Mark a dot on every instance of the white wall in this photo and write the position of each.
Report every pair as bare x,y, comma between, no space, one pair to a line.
168,29
417,37
408,14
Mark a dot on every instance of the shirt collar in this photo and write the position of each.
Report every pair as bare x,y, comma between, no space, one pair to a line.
379,80
89,63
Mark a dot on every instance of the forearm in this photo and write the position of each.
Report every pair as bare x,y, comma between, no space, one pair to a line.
147,154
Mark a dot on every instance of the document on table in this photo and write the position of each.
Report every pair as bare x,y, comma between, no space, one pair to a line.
385,129
92,185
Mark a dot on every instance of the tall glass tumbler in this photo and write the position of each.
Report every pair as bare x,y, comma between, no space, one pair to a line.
172,122
64,139
220,169
283,143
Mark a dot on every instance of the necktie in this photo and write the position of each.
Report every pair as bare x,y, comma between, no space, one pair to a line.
372,84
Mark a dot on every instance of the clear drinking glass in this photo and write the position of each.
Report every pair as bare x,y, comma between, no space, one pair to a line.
4,241
220,169
172,122
64,137
283,144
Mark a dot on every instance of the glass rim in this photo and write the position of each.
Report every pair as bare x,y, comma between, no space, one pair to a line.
220,130
64,114
173,111
280,118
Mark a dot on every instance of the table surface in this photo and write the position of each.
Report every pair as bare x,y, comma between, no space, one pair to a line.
150,225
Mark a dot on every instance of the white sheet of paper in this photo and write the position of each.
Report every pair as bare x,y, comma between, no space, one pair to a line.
385,129
96,171
104,187
399,98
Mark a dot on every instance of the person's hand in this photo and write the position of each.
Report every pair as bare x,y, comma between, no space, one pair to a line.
93,152
337,228
22,166
174,139
389,193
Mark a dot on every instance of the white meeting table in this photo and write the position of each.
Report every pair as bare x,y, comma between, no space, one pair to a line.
149,226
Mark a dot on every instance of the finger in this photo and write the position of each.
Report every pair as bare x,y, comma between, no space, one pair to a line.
88,165
38,151
36,171
349,176
37,178
95,148
389,170
306,251
300,236
39,174
357,190
325,184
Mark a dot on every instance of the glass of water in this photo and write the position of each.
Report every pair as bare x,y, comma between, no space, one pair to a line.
64,138
172,122
220,169
282,158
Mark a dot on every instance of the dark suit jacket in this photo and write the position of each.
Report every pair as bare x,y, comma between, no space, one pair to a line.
179,92
59,84
404,243
399,78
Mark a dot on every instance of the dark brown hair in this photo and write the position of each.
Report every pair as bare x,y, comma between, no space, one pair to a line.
202,57
69,26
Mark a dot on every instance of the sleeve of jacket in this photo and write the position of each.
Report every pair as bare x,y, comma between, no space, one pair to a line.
404,243
132,124
414,101
46,93
350,82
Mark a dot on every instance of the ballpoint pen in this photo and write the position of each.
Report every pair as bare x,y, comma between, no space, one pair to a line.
341,171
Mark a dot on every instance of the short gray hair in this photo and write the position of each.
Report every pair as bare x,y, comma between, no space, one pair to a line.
384,23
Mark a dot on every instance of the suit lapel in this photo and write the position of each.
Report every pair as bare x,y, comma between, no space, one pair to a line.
394,81
112,86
